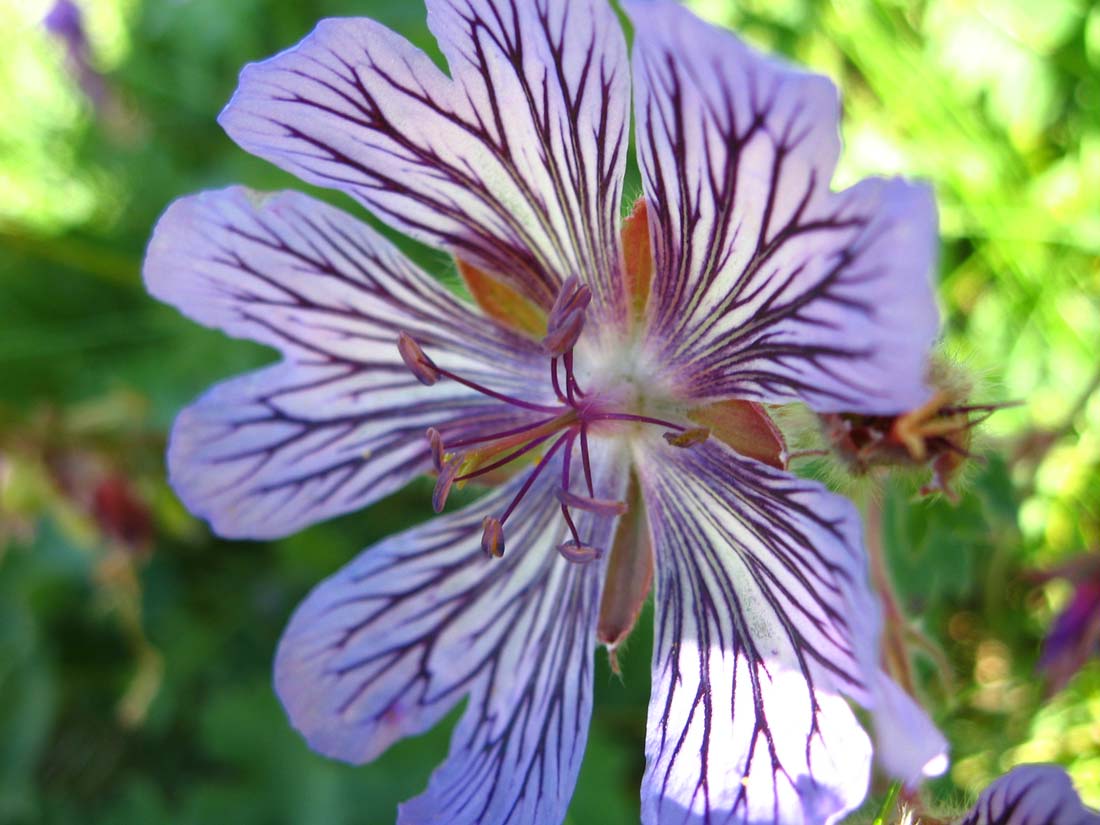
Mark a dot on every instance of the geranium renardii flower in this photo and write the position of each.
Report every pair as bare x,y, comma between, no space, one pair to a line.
1031,795
614,372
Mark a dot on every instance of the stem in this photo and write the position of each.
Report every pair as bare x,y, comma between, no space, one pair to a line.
893,635
887,804
569,382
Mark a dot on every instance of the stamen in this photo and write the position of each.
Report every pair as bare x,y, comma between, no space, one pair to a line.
599,506
579,553
428,372
587,461
508,459
447,475
571,296
481,439
688,438
571,385
554,379
435,441
531,478
567,421
563,335
571,524
419,364
507,399
566,319
641,419
492,537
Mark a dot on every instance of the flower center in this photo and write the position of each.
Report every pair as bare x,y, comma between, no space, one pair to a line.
562,426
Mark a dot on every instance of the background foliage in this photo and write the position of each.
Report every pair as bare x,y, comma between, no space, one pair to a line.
135,648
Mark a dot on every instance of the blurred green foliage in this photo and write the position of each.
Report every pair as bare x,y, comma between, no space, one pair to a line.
134,664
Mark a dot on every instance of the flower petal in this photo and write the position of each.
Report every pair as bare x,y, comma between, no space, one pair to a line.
764,619
908,745
1031,795
515,165
767,285
341,421
388,645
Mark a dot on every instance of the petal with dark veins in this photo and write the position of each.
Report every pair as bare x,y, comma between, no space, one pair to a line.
514,165
768,286
1031,795
341,421
764,624
387,646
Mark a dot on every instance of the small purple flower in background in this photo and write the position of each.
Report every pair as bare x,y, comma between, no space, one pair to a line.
1075,636
1031,795
66,22
615,374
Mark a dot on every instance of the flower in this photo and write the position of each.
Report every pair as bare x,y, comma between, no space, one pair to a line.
66,22
1074,637
617,371
1031,795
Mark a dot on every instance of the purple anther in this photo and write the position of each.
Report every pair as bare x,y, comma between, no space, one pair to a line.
565,295
562,336
435,441
599,506
492,537
419,364
566,319
579,553
443,484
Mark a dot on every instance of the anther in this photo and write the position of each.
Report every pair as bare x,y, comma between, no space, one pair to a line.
579,553
599,506
563,335
435,441
419,364
566,318
565,296
492,537
447,474
688,438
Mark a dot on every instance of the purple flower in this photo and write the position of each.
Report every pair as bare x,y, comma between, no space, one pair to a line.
617,374
1031,795
1075,636
66,22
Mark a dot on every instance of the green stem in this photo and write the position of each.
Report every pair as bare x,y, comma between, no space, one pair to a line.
887,804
